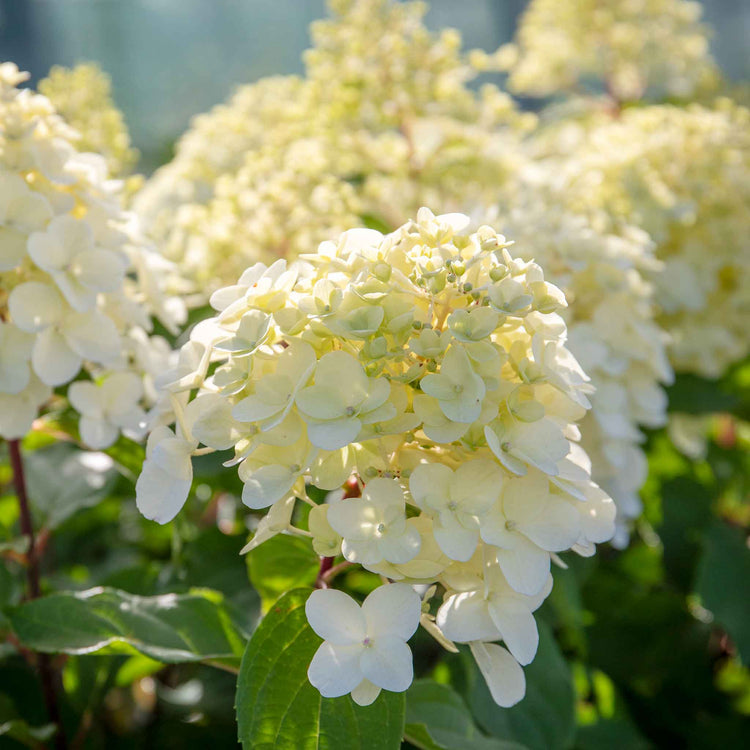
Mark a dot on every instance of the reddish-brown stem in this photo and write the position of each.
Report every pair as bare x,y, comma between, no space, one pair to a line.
326,563
27,525
44,666
331,573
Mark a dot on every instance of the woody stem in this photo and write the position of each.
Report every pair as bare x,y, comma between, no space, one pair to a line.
44,666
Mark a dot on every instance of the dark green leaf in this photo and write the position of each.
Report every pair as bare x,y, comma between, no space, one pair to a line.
170,628
694,395
438,719
612,734
277,707
723,582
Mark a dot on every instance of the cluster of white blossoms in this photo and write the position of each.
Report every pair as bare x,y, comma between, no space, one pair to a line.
429,367
370,134
78,284
82,96
289,161
683,176
611,330
657,48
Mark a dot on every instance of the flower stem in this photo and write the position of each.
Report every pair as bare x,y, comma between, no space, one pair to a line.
326,563
331,573
44,665
27,525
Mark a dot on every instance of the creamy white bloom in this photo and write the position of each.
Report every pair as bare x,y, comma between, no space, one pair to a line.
66,251
526,524
456,501
79,283
364,648
374,527
494,611
108,408
442,423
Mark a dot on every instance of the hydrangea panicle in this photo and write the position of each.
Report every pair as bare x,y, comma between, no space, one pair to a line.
429,368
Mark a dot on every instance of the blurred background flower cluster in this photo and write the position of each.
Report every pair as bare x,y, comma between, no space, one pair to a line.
610,140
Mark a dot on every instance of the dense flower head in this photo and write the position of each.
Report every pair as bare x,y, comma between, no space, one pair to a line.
241,191
79,285
368,135
82,96
633,47
427,366
612,330
683,176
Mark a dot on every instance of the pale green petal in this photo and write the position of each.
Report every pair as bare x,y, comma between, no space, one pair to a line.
334,434
429,485
400,548
321,402
267,485
502,673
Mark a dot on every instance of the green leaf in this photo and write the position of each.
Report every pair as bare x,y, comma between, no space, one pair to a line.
438,719
613,734
20,731
277,706
723,582
545,718
282,563
62,479
170,628
695,395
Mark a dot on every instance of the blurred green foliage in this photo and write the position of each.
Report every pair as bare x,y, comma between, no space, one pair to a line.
642,648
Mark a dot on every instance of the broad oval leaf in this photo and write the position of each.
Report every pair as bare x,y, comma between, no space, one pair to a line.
278,707
438,719
198,626
280,564
726,559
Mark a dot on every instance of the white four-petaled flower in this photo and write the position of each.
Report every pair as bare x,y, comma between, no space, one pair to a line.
364,648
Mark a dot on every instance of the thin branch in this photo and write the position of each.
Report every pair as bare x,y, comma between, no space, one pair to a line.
44,665
332,572
326,564
27,525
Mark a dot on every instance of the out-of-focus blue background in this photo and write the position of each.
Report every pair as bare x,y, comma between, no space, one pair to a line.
171,59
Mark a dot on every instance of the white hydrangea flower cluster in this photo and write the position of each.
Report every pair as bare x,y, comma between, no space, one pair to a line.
371,133
78,284
289,161
634,47
428,366
682,175
611,330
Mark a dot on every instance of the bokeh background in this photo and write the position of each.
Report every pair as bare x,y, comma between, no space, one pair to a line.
172,59
644,648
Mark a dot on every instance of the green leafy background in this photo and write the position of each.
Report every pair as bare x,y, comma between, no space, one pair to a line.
153,630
